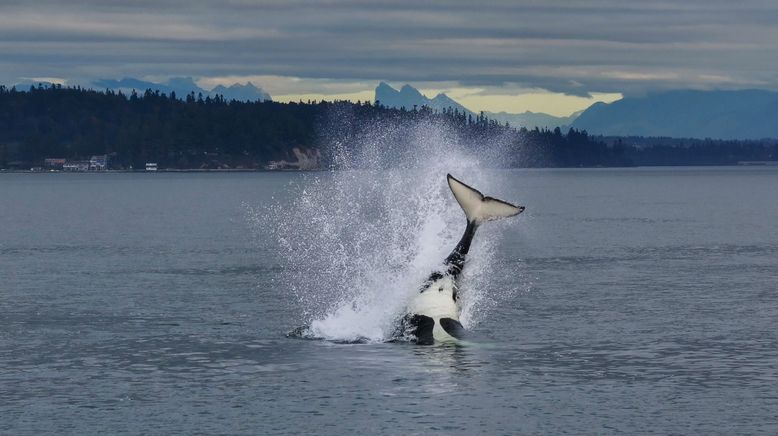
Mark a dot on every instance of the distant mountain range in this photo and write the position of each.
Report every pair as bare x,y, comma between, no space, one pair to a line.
746,114
185,85
408,97
743,114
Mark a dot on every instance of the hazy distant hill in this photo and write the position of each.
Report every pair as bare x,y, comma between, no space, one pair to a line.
185,85
24,85
748,114
247,92
531,120
180,85
408,97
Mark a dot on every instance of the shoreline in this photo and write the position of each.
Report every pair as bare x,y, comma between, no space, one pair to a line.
170,170
746,164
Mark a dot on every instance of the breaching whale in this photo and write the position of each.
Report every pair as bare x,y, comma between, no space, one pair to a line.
433,314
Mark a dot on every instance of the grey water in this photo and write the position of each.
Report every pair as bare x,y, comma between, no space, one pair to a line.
147,304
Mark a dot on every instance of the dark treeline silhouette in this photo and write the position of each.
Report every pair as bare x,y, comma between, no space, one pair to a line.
187,133
196,132
660,151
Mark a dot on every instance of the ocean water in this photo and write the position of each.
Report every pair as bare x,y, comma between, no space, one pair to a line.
622,301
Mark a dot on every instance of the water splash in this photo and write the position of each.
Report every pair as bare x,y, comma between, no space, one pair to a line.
360,240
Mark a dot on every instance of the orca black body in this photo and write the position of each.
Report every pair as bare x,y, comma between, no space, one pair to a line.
433,314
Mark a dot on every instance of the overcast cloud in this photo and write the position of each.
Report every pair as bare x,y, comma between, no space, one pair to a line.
592,46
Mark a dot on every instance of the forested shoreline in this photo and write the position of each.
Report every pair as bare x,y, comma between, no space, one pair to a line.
212,133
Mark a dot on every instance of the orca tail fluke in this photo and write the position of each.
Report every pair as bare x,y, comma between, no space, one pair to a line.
479,208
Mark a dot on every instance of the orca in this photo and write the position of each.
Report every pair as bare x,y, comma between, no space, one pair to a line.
432,315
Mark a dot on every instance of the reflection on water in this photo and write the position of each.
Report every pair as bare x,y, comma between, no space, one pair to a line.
455,359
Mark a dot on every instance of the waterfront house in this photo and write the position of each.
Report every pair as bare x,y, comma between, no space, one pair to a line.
54,163
76,165
98,163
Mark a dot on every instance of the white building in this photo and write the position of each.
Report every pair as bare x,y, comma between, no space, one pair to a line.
77,165
98,163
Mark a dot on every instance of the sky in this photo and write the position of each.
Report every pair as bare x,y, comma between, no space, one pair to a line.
550,56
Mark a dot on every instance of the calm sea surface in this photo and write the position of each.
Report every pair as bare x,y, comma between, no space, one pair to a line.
146,304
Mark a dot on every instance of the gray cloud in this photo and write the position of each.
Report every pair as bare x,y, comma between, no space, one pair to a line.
591,46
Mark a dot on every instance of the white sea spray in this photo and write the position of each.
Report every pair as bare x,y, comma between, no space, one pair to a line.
359,240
